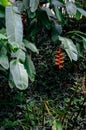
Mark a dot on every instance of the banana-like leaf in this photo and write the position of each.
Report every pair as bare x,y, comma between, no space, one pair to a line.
69,47
14,27
19,74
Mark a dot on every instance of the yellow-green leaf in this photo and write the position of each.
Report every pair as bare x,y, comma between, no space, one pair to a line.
5,3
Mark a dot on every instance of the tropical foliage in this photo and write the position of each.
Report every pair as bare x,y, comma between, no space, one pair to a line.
50,34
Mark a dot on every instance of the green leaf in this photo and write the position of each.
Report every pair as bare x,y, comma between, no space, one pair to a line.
31,14
84,42
78,15
30,68
70,48
26,3
14,46
54,37
4,3
56,30
4,61
49,12
19,54
80,49
34,5
83,36
20,5
3,31
3,50
57,125
2,37
82,11
11,82
19,74
58,14
43,17
71,8
14,27
31,46
57,3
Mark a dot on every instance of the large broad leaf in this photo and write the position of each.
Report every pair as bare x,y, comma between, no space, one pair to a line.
70,48
13,25
82,11
31,46
4,61
19,74
71,8
34,5
57,125
30,68
57,3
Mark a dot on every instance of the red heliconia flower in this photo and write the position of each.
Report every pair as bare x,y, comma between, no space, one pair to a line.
59,58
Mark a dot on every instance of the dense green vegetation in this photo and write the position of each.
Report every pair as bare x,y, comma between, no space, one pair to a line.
42,64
